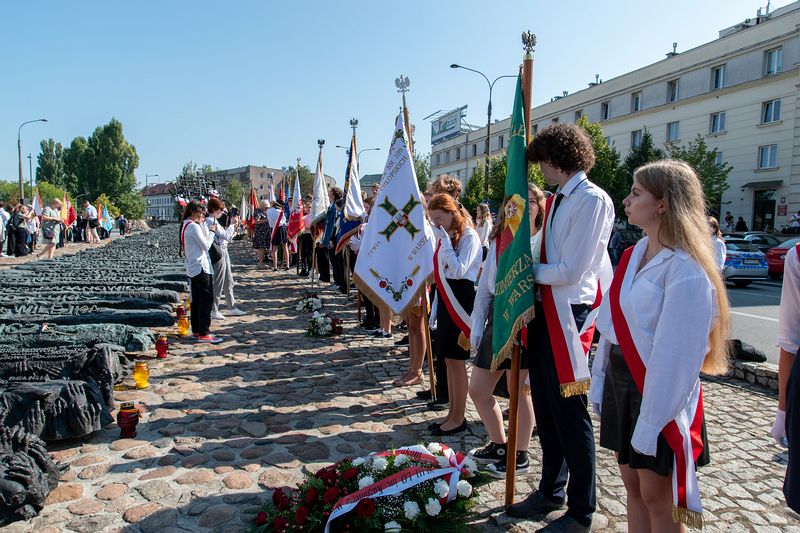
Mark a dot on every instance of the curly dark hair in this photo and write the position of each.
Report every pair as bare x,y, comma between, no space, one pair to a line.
565,146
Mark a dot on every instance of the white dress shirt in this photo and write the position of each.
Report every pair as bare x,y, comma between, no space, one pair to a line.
577,239
223,235
91,212
273,213
196,242
720,251
789,313
464,262
484,230
670,306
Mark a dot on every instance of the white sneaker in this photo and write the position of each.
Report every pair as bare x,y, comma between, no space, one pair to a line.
236,312
216,315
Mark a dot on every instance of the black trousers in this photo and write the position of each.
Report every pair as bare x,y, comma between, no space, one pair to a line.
305,244
791,485
337,266
371,314
21,242
202,301
565,427
323,264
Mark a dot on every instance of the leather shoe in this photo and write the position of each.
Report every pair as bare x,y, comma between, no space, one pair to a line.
433,425
536,504
438,405
565,524
439,432
424,394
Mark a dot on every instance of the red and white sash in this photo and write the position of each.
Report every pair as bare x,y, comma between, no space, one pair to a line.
454,309
682,434
186,224
570,345
277,225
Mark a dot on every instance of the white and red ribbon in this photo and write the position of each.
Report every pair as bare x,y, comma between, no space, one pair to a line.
454,308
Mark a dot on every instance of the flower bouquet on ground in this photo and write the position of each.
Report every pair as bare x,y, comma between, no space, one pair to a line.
311,301
414,488
324,325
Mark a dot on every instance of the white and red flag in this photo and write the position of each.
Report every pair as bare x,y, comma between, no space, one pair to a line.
296,222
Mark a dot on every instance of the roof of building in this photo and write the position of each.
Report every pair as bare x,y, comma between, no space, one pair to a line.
157,189
368,180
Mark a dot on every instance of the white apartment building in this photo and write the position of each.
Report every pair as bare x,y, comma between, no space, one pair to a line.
160,201
740,92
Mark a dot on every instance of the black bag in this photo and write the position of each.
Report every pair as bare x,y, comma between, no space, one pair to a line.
49,234
214,253
94,223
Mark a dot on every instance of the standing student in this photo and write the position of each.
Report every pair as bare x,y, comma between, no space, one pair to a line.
456,263
280,237
92,223
223,274
664,320
51,227
786,429
195,242
576,230
483,225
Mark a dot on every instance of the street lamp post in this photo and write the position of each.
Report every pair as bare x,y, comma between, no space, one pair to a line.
30,171
19,152
488,120
146,176
358,154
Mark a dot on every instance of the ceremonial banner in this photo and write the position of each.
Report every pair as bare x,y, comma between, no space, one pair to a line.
296,222
37,203
353,210
107,224
321,202
513,300
251,222
397,245
64,209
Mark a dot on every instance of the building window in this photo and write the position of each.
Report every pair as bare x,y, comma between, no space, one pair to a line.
458,154
438,159
673,88
499,142
636,102
636,139
717,122
535,129
555,120
578,114
768,156
604,111
718,78
673,132
474,150
771,111
719,161
773,61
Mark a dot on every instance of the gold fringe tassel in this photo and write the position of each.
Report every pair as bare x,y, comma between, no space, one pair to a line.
463,341
575,388
688,517
508,347
365,288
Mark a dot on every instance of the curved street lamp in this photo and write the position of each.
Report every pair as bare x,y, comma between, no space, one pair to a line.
19,151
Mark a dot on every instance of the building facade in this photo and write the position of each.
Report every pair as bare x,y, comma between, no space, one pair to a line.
259,177
160,201
739,92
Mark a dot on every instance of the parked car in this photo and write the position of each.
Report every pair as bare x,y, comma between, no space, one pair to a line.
775,257
763,241
622,239
744,263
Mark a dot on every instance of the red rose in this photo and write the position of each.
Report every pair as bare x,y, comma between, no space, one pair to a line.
277,496
350,473
311,496
365,508
300,515
261,518
330,496
410,283
279,523
382,284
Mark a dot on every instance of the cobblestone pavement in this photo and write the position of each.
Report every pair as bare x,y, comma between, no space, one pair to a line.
226,423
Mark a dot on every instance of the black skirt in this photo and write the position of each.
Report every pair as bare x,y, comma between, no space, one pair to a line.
281,236
619,413
447,332
483,357
791,484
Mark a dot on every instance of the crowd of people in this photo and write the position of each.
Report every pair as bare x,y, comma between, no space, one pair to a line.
658,321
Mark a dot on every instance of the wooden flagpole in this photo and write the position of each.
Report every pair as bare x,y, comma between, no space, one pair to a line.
529,41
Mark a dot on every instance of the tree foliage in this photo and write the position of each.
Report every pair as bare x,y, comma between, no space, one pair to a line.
9,192
607,160
110,162
713,176
50,164
132,205
75,160
497,182
640,155
306,180
104,201
422,168
233,191
473,193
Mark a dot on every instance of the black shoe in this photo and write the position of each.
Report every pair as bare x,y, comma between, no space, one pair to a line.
433,425
382,335
491,453
439,405
402,342
424,394
498,469
439,432
565,524
535,505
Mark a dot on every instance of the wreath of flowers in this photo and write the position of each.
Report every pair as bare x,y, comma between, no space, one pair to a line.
311,301
417,488
324,325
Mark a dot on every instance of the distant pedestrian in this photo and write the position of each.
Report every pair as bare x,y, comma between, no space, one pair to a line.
261,232
741,225
728,221
720,250
223,274
51,228
92,222
19,224
4,218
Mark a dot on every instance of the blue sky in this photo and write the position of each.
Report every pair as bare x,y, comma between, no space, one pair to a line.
258,82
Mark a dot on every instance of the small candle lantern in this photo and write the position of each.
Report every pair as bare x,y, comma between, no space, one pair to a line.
183,326
180,311
161,347
127,418
141,374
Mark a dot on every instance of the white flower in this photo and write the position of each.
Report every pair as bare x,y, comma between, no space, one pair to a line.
392,527
358,462
411,510
435,448
444,462
470,465
365,481
464,488
315,315
299,307
441,488
400,460
433,507
379,464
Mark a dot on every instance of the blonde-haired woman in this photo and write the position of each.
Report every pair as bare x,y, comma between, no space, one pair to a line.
261,233
483,225
51,228
665,318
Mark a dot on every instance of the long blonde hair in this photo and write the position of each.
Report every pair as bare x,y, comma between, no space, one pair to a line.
684,225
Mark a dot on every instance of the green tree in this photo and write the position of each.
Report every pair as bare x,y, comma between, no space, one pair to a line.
104,201
75,162
50,163
306,180
713,176
422,168
233,191
9,192
110,162
473,193
132,205
642,154
607,159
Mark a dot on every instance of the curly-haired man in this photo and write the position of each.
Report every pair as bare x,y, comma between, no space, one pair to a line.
573,272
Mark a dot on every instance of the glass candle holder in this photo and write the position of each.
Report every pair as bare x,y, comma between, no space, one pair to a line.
180,311
127,418
161,347
141,375
183,326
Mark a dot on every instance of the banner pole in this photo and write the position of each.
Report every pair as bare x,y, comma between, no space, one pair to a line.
313,257
358,301
426,330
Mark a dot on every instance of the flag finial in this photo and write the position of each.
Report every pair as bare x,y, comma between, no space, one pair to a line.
402,83
528,41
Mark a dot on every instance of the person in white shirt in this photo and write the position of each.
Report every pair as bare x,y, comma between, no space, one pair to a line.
276,218
483,381
718,245
196,239
571,275
786,429
664,320
457,261
483,225
92,222
4,218
223,275
33,229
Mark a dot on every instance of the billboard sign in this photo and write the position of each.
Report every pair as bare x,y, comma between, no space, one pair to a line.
447,125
